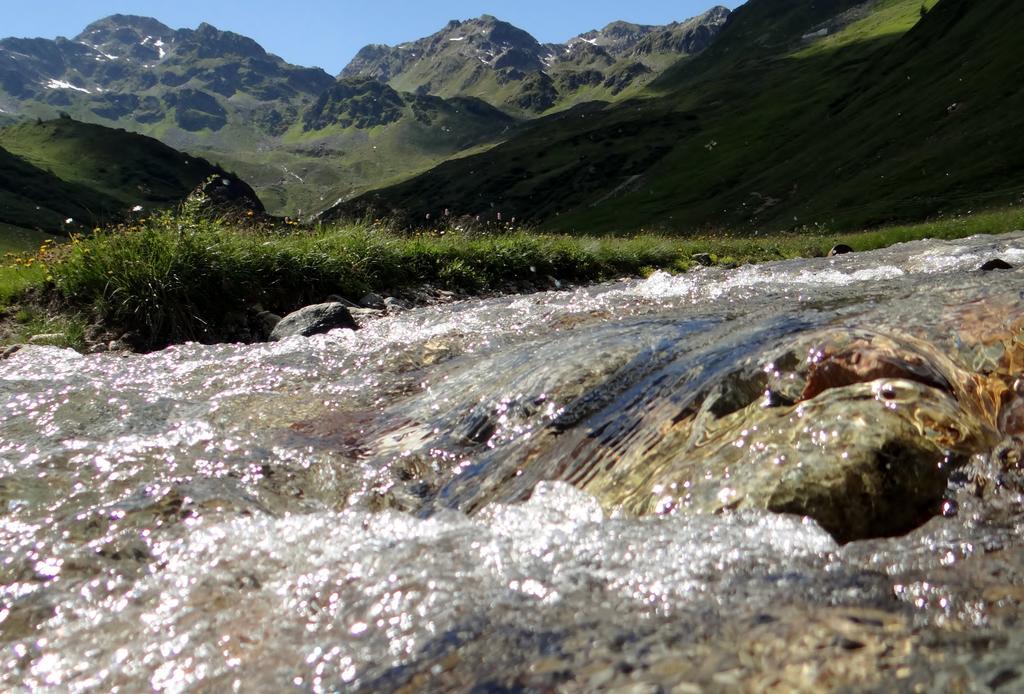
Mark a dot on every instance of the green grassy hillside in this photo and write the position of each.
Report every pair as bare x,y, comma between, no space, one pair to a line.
34,198
360,134
834,113
54,170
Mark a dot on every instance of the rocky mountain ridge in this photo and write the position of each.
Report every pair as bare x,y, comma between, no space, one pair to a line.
510,69
135,68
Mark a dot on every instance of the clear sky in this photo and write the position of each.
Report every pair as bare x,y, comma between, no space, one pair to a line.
327,34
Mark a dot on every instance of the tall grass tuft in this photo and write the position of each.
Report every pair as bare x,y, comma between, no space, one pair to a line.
175,277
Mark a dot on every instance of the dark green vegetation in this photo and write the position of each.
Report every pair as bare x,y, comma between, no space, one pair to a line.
55,170
835,114
178,277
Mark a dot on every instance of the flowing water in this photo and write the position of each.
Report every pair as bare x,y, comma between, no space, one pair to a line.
800,475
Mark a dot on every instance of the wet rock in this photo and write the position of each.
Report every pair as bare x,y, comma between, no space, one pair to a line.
394,305
362,315
995,264
338,299
372,300
53,339
313,320
840,249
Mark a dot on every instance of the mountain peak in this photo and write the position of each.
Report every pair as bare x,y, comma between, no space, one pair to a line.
114,22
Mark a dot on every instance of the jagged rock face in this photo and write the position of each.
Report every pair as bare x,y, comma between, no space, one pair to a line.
510,69
690,36
486,40
362,103
137,70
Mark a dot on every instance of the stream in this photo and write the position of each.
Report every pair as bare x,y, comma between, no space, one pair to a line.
802,475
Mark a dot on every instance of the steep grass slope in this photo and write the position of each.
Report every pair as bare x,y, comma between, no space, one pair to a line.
835,113
54,170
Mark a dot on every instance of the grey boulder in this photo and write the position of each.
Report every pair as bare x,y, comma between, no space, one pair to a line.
313,320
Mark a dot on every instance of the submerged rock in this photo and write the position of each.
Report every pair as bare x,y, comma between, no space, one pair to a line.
995,264
313,320
856,421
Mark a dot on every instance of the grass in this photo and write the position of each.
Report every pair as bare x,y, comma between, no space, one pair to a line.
22,273
180,277
14,239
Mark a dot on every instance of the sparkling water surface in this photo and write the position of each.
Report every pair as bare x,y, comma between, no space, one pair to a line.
490,494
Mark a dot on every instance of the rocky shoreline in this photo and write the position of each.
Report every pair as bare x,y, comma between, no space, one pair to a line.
255,323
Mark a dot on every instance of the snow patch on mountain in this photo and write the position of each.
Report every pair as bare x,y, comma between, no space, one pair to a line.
61,84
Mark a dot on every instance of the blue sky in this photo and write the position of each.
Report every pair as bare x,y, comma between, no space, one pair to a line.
327,34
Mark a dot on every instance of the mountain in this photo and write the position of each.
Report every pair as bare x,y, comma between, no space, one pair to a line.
507,67
222,96
55,170
138,70
831,114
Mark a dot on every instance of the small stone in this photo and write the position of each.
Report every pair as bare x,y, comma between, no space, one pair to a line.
372,300
313,320
393,304
840,249
48,339
995,264
704,259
